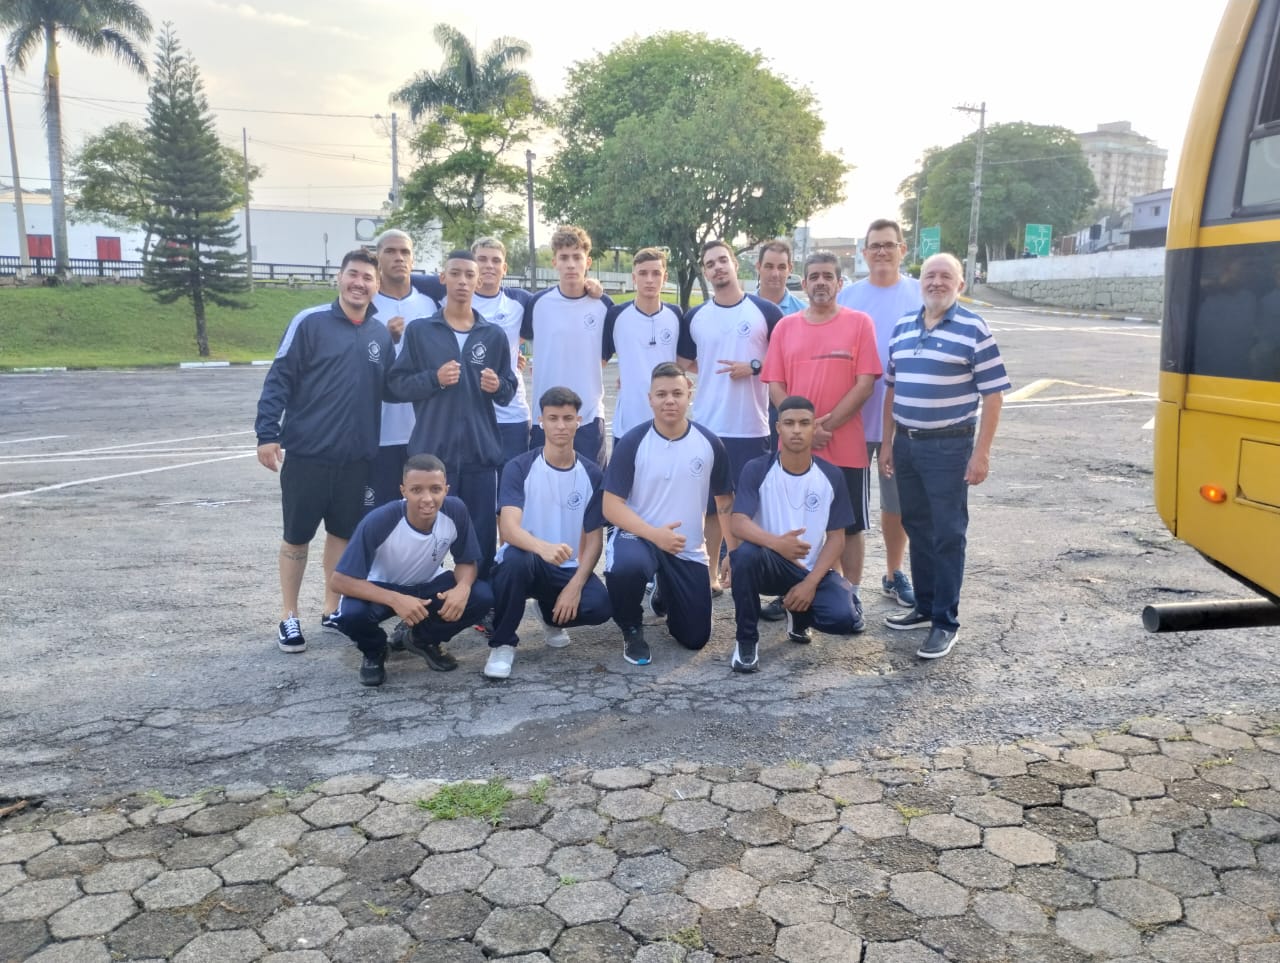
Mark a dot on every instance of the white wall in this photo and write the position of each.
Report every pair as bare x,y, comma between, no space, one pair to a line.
1140,263
81,238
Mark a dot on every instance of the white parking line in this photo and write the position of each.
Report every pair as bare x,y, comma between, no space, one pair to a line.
1072,404
57,457
127,474
23,441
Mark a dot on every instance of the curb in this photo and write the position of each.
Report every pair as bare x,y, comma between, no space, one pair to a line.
181,366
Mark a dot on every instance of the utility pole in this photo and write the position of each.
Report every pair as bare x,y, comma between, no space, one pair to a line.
533,247
394,197
971,262
248,231
23,254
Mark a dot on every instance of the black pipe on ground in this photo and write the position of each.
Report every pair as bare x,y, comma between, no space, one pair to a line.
1220,614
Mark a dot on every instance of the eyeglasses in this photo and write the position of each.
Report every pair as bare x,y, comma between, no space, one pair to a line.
883,247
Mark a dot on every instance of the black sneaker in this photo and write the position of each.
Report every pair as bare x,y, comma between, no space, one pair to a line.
289,635
938,643
859,623
746,657
433,652
657,604
773,612
798,628
634,648
485,625
398,635
372,671
329,620
915,619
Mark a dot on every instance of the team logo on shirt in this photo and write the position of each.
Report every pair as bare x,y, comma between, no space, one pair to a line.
369,498
574,501
589,321
811,501
697,466
478,353
666,336
375,352
744,329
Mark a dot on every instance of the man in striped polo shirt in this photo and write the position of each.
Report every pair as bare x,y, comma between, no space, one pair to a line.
943,361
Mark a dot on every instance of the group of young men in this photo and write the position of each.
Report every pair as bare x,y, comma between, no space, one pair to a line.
410,437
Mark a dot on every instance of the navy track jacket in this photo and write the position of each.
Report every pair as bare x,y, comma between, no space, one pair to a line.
327,382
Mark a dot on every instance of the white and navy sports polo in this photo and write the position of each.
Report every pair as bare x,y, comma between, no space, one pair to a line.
506,310
387,549
567,334
816,500
939,376
667,481
397,417
641,342
738,332
558,504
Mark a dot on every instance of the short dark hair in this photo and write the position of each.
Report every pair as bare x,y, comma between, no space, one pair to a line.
669,369
559,396
795,402
646,254
422,462
713,243
461,255
820,257
361,255
880,223
778,246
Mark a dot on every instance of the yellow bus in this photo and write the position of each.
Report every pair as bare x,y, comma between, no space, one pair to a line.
1217,426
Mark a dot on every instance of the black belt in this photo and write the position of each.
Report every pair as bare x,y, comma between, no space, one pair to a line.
919,434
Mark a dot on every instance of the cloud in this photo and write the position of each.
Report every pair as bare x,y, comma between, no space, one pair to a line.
247,11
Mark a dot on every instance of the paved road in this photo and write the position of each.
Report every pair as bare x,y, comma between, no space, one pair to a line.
139,606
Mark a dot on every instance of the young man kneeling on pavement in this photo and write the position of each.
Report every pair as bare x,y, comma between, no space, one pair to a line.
789,513
393,567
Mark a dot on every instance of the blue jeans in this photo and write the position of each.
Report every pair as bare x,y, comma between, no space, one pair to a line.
935,513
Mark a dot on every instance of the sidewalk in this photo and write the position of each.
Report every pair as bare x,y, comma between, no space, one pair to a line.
1159,842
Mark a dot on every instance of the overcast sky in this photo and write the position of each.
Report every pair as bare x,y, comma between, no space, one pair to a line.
886,77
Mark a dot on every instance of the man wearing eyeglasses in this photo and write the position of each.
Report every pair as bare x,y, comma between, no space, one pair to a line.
887,295
943,363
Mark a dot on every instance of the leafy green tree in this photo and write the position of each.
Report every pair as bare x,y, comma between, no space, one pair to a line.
1031,174
676,138
468,82
108,179
115,27
193,255
460,164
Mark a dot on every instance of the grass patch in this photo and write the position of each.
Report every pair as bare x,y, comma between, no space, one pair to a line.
109,325
379,911
157,798
909,813
538,791
568,879
1215,763
690,937
477,800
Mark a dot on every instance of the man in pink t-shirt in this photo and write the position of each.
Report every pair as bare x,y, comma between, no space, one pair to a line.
827,353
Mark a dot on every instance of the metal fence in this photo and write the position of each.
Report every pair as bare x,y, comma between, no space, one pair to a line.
268,272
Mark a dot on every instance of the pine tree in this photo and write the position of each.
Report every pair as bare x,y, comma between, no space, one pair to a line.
194,254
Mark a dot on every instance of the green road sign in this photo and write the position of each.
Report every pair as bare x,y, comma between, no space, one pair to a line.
1037,239
930,241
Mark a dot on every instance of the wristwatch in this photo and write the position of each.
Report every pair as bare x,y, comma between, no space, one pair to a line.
755,367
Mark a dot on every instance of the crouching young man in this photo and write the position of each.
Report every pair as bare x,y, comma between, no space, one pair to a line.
656,491
550,520
393,566
790,513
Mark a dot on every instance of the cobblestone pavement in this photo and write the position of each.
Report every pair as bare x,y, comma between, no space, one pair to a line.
1158,842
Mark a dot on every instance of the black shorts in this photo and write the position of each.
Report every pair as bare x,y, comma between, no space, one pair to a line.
858,483
313,491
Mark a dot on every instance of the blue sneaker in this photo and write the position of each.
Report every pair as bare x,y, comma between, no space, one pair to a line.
899,589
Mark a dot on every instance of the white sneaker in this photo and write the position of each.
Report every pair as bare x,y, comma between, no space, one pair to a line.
555,636
500,659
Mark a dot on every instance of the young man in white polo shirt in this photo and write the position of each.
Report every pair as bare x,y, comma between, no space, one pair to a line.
656,490
550,519
505,308
790,511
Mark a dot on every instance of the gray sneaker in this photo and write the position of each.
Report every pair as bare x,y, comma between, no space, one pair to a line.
915,619
634,648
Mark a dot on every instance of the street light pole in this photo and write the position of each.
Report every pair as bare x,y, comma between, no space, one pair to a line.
533,247
971,263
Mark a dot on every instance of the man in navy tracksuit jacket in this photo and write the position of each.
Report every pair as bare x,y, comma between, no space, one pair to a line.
455,367
328,378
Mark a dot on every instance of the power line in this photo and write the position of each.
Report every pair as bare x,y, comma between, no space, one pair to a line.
241,110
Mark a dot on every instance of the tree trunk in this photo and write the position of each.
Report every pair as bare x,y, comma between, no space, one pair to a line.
197,302
53,131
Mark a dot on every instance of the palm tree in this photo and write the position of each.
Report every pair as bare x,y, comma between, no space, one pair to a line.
116,27
467,82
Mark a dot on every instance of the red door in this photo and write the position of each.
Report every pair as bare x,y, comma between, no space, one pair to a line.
40,245
108,249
